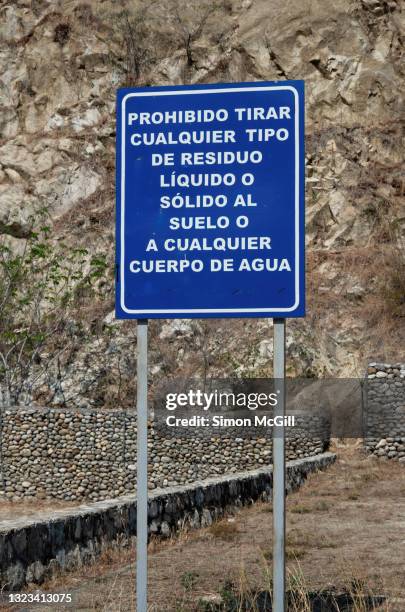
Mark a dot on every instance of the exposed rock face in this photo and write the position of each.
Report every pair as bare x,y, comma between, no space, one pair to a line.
61,63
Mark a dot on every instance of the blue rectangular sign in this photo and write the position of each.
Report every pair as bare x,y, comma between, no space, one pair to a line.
210,201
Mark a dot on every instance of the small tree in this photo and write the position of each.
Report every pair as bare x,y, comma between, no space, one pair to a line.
38,285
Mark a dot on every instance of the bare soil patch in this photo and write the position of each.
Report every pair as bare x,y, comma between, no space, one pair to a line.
12,510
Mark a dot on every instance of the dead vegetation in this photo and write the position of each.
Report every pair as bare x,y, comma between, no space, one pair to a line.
353,549
224,530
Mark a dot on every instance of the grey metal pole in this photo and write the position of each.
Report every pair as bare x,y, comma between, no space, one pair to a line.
279,470
142,467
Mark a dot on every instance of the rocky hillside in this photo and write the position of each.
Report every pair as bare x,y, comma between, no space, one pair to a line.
61,62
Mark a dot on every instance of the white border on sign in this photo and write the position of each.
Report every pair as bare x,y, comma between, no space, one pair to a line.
297,199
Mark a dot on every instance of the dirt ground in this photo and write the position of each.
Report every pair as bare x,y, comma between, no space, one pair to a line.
345,525
26,508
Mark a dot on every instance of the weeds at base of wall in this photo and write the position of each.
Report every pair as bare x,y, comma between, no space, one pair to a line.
239,596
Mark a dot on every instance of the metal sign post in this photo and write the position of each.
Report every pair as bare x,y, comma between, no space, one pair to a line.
142,467
279,471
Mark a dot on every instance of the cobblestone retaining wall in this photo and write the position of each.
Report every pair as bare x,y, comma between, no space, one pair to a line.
384,412
75,455
32,549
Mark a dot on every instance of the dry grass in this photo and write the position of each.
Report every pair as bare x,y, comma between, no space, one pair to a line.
300,509
291,554
224,530
355,545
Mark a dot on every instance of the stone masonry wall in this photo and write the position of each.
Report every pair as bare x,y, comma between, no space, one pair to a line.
85,454
384,410
34,548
